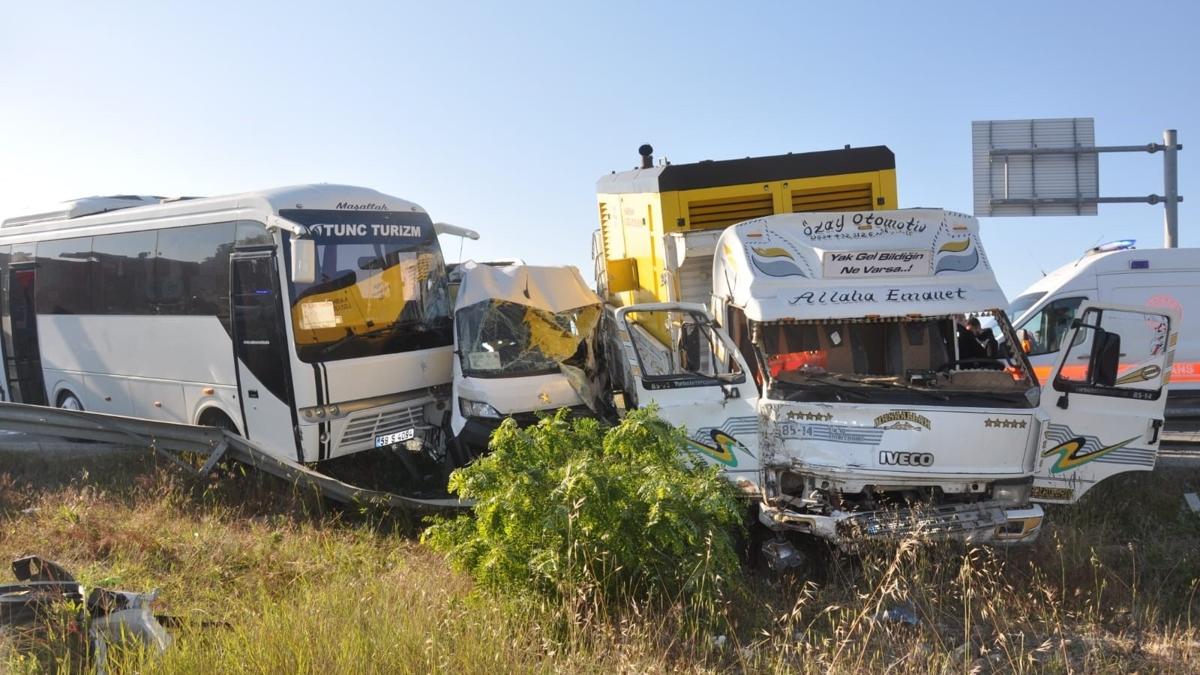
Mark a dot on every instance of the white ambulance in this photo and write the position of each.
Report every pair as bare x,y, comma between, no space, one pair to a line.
1117,273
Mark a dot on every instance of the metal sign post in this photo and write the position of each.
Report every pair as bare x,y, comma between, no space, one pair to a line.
1048,167
1171,150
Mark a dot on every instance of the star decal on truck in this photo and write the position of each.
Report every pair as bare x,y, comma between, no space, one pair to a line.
810,416
996,423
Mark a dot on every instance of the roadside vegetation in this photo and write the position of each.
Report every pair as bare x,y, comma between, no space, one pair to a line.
268,579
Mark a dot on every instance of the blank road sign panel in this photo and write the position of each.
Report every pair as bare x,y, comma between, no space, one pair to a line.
1022,184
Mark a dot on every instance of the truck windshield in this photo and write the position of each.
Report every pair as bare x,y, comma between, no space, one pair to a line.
497,338
380,289
953,360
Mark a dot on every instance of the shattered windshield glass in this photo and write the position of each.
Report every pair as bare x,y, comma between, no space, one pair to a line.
497,338
952,359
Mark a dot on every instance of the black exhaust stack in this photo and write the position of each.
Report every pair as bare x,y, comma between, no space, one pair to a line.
647,154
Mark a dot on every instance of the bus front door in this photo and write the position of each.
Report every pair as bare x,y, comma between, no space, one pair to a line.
260,346
24,358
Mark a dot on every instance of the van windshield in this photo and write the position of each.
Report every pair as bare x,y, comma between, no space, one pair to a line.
497,338
1023,303
950,360
380,287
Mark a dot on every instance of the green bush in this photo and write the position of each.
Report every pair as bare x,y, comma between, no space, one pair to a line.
570,510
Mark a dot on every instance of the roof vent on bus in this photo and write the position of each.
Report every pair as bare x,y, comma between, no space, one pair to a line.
84,206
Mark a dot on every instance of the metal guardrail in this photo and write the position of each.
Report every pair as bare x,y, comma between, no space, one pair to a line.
168,438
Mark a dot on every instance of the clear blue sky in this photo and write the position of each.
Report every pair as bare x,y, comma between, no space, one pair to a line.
501,116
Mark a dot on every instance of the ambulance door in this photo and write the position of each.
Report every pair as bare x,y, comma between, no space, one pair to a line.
1105,400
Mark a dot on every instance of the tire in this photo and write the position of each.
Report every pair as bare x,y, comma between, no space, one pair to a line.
69,401
218,419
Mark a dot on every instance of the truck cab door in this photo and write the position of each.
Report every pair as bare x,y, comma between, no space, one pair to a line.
673,356
1105,400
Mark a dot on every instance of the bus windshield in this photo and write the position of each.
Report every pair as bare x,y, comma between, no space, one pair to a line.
380,288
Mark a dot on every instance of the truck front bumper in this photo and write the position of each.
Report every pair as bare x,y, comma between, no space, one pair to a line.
980,522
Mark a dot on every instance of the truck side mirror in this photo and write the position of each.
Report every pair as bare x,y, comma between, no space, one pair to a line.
304,260
1106,358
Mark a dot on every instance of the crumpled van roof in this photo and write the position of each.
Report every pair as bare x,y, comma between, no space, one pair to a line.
552,288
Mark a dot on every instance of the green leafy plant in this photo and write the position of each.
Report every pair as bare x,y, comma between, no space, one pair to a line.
571,510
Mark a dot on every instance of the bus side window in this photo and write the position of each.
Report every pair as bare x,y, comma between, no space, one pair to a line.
1051,325
191,270
64,284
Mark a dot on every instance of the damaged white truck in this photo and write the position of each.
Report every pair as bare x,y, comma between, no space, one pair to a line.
855,387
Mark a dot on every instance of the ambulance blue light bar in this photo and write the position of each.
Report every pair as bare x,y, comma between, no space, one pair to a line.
1119,245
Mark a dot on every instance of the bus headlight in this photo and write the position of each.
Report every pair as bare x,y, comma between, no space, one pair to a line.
322,412
470,408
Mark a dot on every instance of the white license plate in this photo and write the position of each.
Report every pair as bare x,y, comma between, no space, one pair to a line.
398,437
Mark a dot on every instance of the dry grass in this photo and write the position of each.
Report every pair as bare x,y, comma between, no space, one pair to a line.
1112,586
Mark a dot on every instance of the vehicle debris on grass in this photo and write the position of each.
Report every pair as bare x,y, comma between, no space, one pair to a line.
48,598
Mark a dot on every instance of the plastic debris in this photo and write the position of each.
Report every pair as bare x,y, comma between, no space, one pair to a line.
109,617
904,613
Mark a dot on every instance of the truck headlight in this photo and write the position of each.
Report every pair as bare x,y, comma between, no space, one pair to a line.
1011,494
470,408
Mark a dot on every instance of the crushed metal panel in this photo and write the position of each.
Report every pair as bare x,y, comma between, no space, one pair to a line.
1031,177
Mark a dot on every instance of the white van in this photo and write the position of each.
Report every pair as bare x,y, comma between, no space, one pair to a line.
1120,274
524,342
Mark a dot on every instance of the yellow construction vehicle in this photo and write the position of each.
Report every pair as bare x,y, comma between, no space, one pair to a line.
659,224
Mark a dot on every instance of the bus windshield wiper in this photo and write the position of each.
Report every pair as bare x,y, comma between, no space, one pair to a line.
351,336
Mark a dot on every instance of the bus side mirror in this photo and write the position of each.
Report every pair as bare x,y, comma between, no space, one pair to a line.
304,261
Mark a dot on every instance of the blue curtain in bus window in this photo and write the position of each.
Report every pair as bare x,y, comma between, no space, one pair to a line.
124,272
64,280
191,270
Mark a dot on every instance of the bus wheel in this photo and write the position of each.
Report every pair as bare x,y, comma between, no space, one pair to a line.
69,401
218,419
